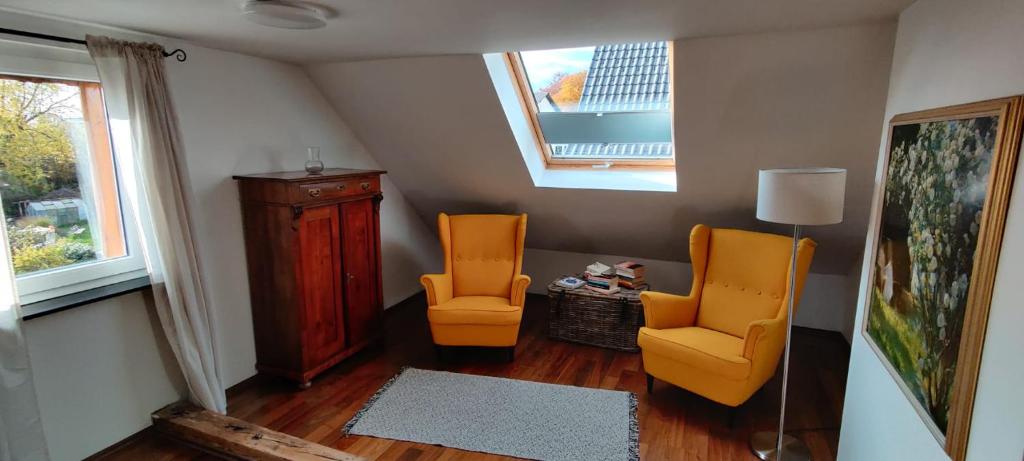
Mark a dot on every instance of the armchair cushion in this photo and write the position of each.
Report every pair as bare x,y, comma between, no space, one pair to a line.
475,310
745,279
483,254
707,350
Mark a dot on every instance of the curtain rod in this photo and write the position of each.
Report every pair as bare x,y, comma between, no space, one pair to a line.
178,53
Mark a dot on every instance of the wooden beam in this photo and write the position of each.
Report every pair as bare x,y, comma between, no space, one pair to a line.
236,438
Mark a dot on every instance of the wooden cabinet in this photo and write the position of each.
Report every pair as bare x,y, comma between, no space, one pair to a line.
313,250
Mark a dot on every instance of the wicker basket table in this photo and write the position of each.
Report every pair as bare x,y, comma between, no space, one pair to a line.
584,316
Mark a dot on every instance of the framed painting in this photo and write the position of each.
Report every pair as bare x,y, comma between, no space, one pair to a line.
946,188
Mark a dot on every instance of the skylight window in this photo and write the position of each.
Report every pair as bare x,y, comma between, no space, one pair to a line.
604,106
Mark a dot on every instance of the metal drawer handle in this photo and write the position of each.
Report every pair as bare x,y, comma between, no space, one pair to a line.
365,186
341,187
314,192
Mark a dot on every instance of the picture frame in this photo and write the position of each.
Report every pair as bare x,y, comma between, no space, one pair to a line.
940,216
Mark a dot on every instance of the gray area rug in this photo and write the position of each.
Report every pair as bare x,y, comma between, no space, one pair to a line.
502,416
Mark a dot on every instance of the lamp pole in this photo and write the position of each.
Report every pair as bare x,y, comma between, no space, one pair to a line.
789,337
760,442
796,196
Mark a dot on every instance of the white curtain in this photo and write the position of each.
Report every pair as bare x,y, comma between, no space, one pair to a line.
21,431
135,89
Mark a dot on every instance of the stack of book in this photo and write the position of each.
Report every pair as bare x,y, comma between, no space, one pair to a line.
601,279
631,275
571,283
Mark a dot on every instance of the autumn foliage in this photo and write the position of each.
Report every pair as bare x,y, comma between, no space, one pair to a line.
36,155
566,89
36,158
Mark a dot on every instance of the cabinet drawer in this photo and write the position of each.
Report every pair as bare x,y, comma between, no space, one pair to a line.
335,189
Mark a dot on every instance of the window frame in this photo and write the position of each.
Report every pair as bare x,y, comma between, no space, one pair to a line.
53,283
521,82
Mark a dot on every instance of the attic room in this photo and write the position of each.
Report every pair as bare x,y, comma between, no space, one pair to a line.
461,230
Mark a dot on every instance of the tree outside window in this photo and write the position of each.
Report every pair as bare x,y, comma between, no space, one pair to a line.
56,175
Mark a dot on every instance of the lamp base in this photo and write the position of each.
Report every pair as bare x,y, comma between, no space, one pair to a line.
793,449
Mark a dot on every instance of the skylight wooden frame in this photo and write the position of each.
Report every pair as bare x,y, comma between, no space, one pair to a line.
522,85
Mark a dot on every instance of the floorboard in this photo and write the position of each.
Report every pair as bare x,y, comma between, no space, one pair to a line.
674,424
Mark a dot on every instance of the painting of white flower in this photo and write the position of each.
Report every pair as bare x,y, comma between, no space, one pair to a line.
935,191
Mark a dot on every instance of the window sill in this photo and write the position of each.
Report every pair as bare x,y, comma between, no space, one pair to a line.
81,298
630,180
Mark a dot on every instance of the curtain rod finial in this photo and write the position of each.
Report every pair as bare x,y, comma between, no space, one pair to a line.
178,54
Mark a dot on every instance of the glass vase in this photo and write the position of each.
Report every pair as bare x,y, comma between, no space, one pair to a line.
313,163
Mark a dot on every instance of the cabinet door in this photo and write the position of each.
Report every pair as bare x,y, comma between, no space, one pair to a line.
320,275
360,262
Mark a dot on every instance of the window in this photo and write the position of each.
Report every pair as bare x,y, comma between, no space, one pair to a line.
605,107
59,189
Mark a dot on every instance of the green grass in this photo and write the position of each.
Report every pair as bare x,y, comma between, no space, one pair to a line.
895,335
84,237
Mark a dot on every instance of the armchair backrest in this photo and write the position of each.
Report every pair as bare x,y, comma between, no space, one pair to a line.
482,252
742,276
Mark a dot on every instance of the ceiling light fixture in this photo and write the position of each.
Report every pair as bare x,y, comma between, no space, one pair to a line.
284,14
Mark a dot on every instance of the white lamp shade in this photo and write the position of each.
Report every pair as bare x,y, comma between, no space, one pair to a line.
802,196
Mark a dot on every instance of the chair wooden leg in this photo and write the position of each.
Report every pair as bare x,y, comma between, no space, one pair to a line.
731,417
510,353
650,384
440,350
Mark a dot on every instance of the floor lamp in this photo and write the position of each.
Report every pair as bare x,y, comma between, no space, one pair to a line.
800,197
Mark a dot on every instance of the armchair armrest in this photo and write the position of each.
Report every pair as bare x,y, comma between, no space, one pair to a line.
438,286
763,336
663,310
519,285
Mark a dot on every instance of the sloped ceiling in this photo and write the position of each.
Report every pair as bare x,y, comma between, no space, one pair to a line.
813,98
361,29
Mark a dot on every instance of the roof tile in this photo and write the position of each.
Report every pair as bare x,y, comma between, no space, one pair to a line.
628,77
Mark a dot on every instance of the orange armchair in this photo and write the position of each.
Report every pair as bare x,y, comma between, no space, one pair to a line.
478,300
724,340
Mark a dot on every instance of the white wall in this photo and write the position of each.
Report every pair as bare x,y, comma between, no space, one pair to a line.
102,369
950,52
239,115
822,304
742,102
851,294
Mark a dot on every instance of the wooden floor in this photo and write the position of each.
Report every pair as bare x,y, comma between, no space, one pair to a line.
674,424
